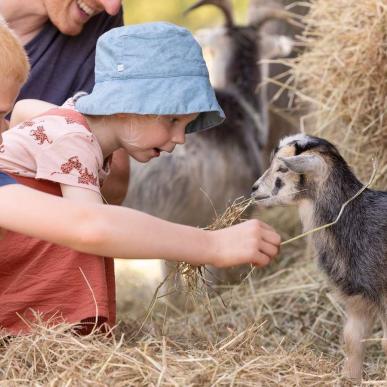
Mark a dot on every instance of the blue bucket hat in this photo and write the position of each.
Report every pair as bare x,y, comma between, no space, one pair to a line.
152,68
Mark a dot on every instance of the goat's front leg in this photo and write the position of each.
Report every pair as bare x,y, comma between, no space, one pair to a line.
360,318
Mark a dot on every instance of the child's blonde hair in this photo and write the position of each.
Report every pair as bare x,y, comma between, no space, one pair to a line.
14,62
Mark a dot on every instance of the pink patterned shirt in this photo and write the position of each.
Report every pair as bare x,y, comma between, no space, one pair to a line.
57,146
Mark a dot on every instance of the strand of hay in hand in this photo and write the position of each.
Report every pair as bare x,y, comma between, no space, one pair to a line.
193,275
233,214
341,79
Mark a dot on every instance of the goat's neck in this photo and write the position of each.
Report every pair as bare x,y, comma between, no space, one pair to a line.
306,211
243,71
339,186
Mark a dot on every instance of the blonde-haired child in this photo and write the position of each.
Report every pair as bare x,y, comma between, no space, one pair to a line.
145,100
14,67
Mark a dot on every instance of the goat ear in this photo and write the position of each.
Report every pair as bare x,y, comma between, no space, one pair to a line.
303,163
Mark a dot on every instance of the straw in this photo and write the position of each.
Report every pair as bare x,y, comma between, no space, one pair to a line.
341,79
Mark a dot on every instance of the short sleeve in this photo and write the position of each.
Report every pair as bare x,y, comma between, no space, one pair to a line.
6,180
74,159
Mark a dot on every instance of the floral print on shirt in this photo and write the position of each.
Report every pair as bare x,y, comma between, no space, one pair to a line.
85,177
40,135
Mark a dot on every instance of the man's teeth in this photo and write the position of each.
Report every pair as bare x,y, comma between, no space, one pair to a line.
85,8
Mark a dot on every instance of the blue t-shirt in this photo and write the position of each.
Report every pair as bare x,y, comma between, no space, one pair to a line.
5,179
62,65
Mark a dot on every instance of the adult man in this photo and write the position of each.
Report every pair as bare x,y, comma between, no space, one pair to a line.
60,37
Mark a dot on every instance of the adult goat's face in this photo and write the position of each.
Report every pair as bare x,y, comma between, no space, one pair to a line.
298,169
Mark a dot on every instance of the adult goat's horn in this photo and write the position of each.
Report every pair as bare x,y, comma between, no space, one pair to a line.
224,5
267,14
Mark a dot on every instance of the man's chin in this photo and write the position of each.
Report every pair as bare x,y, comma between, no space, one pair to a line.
72,26
70,30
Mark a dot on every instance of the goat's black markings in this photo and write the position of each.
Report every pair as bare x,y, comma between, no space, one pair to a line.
277,186
313,143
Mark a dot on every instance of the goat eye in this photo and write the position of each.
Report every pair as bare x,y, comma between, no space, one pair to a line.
282,169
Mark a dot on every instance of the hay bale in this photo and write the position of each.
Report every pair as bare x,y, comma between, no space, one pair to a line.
342,76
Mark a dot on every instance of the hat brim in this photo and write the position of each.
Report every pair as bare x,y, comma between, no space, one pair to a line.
159,96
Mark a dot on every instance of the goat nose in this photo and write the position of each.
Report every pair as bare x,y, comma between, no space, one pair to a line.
255,187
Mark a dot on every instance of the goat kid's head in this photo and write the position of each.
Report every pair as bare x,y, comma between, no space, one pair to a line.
299,168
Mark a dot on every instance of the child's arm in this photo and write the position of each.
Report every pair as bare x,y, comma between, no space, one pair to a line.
28,108
122,232
80,194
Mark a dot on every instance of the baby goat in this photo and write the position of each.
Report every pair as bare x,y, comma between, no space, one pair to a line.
310,172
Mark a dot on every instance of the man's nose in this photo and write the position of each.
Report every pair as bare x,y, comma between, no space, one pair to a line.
111,6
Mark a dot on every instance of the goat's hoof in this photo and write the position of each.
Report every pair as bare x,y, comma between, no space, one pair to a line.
352,373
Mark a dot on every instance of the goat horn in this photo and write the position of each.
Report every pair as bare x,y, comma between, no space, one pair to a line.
223,5
269,14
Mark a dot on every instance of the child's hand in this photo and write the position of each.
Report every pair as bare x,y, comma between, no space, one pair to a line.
252,242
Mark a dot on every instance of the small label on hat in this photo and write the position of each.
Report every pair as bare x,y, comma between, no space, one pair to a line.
120,67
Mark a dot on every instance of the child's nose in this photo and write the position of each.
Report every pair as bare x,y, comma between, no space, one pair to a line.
179,136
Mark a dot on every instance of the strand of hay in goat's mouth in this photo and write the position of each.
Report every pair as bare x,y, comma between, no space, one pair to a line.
341,79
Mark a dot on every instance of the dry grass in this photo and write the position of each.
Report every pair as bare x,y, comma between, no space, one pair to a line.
194,277
280,329
342,77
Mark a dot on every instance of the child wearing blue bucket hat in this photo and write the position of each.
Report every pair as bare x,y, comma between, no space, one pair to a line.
151,89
